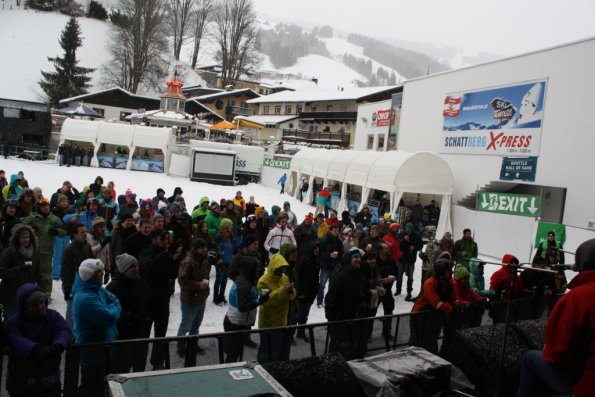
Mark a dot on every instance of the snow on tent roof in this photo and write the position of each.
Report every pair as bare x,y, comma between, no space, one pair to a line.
151,137
79,130
114,133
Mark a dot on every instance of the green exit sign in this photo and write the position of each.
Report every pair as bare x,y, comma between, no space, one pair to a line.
507,203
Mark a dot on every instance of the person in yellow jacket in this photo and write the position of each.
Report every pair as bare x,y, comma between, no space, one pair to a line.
274,344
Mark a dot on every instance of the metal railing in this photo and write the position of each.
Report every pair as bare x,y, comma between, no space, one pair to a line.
358,338
323,138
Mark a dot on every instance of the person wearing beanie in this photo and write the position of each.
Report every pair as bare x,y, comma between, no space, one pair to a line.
465,249
95,311
566,366
132,324
228,243
159,198
139,240
177,192
99,243
278,236
244,298
437,294
331,254
291,217
345,300
231,212
461,285
37,336
200,212
158,221
501,279
193,277
213,218
305,234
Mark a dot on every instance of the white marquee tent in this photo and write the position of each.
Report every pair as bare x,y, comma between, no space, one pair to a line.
101,132
394,172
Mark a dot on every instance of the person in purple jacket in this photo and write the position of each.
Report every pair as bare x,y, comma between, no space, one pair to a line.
37,336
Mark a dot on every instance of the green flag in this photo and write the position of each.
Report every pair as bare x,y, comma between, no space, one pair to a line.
544,227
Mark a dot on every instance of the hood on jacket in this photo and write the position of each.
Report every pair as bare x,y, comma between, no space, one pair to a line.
277,261
286,249
16,231
13,178
23,293
311,248
203,200
275,209
80,284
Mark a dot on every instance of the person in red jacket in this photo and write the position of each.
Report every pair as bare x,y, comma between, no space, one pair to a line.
392,239
437,294
500,281
567,364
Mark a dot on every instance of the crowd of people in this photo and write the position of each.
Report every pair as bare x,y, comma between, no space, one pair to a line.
278,265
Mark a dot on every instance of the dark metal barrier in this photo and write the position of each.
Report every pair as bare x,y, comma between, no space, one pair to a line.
351,338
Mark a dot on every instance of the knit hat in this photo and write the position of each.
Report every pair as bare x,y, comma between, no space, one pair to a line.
156,217
510,259
461,272
124,262
89,267
286,249
394,226
214,205
347,230
226,223
355,252
161,205
249,239
585,256
125,217
98,221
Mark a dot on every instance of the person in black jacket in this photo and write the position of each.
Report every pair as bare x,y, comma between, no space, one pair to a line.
347,300
308,269
132,324
159,265
331,252
139,240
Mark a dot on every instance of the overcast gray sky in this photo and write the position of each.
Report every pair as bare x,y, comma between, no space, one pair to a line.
504,27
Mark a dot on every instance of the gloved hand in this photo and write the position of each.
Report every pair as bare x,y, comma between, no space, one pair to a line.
26,268
262,298
273,250
67,291
41,352
53,231
106,240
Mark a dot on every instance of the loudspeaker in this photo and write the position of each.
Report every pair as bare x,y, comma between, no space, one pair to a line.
476,351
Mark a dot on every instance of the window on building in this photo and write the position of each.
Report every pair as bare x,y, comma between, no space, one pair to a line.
27,115
342,129
277,109
343,107
266,110
298,109
370,142
100,111
313,108
329,108
287,109
380,146
11,113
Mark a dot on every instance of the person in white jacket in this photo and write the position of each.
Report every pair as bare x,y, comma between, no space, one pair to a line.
279,235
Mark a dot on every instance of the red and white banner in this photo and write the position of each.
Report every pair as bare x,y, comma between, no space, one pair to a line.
452,107
382,118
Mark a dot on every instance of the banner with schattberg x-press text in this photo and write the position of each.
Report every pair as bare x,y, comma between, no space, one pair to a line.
503,121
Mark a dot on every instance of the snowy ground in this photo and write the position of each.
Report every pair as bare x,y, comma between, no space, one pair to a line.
49,177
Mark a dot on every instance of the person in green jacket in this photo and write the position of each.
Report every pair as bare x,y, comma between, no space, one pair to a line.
46,226
465,249
213,219
200,211
477,281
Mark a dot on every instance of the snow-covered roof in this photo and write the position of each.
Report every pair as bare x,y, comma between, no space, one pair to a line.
269,119
321,95
76,98
225,94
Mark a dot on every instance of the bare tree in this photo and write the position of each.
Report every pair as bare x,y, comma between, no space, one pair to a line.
202,12
137,46
237,39
179,18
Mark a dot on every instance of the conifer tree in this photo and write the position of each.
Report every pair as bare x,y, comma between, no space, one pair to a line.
69,79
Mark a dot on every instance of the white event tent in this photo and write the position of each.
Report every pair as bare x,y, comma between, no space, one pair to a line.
101,132
394,172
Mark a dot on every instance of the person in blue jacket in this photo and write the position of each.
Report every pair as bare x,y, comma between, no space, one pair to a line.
95,311
281,182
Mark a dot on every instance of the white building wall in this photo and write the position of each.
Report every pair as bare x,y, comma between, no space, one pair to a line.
366,126
567,149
